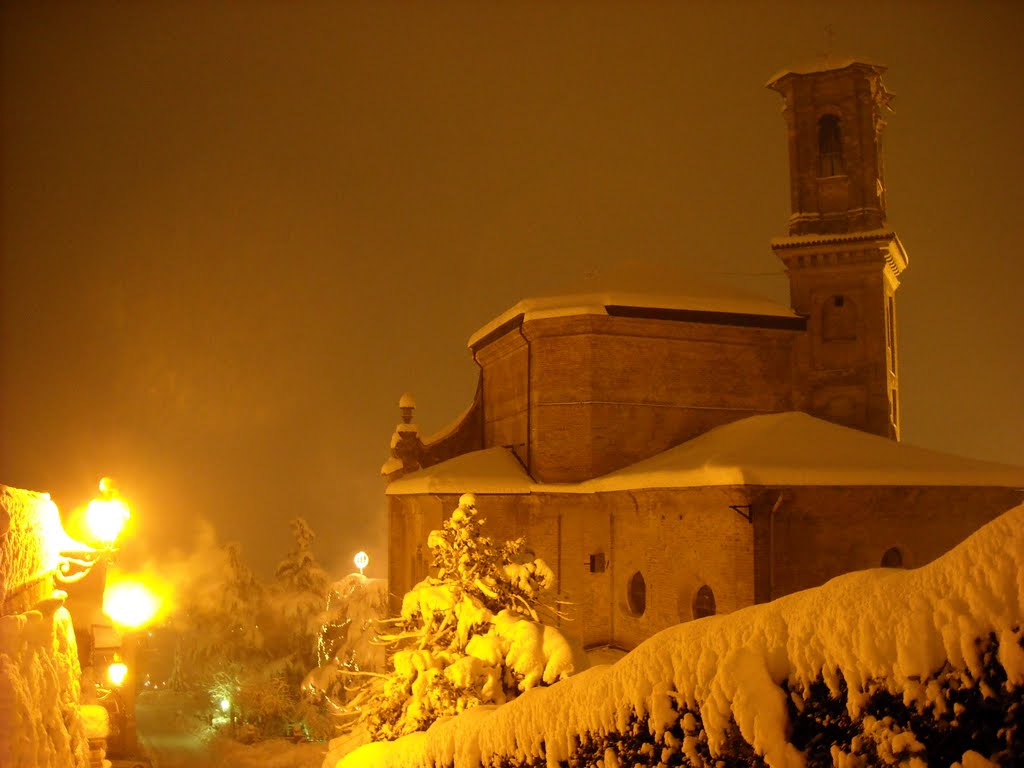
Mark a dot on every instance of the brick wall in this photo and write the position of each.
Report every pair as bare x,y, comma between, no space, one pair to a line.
410,521
505,366
593,393
678,540
822,532
681,539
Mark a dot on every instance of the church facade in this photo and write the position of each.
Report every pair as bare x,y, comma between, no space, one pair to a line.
677,453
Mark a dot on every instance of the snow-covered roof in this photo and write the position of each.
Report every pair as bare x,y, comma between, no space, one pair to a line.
641,284
492,470
794,448
823,64
598,304
780,449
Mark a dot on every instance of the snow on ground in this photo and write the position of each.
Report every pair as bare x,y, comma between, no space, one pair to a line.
173,733
897,627
272,753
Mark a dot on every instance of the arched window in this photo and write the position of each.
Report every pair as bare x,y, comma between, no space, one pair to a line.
704,603
636,594
830,146
892,558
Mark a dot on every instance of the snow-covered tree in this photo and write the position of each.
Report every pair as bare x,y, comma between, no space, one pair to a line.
346,648
217,619
247,642
297,601
470,635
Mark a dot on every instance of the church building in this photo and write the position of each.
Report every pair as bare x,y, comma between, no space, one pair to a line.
677,453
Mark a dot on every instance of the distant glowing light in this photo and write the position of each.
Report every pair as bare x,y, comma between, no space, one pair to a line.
117,672
225,705
362,560
130,603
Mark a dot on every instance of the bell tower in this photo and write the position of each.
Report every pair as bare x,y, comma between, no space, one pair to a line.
843,262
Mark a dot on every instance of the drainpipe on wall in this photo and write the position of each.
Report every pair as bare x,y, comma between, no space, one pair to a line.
529,397
771,545
613,592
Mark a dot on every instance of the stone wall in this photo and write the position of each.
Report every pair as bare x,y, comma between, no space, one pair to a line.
27,560
40,723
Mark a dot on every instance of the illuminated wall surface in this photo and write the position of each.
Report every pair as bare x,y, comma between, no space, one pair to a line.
39,676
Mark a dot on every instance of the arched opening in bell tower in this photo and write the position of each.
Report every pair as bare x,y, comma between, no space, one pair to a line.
830,146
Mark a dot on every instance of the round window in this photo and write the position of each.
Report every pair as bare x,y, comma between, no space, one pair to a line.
636,594
704,603
892,558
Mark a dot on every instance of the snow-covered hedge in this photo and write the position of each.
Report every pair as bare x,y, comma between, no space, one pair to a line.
875,668
40,722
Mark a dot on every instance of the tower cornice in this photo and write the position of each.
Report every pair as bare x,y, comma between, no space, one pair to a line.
880,247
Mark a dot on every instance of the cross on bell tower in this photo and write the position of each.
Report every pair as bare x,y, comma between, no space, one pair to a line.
843,262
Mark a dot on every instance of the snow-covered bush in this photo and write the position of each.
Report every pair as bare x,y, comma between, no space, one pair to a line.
470,635
874,669
40,723
267,704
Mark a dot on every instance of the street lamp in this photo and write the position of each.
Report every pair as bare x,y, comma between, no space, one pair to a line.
131,605
105,517
117,671
107,514
361,560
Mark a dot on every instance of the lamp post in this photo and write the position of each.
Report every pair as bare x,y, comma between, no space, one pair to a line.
361,560
105,518
131,605
83,569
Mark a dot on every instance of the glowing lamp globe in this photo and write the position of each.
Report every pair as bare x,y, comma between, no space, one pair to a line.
362,560
117,672
107,515
130,604
225,705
